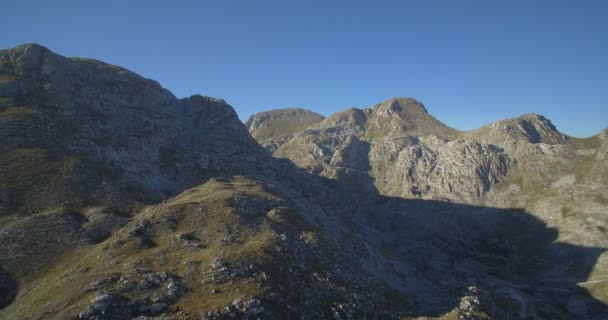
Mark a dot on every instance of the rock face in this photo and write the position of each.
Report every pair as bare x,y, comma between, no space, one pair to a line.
458,170
403,149
120,201
88,130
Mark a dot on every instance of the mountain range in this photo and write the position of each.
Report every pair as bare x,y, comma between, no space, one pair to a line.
120,201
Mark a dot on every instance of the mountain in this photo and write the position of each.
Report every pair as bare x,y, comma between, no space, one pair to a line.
79,128
398,150
131,202
120,201
402,148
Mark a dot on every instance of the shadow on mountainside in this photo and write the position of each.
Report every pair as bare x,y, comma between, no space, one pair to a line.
435,251
8,288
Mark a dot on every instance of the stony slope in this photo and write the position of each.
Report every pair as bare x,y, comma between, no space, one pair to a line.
120,201
523,162
227,246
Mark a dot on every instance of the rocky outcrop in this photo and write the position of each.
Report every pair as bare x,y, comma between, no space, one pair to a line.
430,167
403,151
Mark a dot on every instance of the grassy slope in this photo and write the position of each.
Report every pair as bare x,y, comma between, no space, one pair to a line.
209,213
205,214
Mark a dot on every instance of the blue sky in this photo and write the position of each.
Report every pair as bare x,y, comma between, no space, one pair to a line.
470,62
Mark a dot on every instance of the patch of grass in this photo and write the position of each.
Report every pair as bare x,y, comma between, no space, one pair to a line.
584,167
567,212
40,178
598,290
17,112
7,78
601,199
236,208
5,100
583,143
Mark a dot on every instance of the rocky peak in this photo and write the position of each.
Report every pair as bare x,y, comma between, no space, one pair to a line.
399,107
402,116
531,128
539,121
25,57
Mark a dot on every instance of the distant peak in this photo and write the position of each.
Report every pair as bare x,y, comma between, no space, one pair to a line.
535,117
289,110
530,127
206,99
29,56
32,46
404,100
399,104
28,50
528,117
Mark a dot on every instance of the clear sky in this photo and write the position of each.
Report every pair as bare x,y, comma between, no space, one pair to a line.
470,62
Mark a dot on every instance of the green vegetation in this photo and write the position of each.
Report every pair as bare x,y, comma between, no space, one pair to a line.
41,179
584,167
598,290
601,199
6,100
584,143
205,212
15,111
7,78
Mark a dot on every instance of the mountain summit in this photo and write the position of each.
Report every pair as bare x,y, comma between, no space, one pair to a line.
403,116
